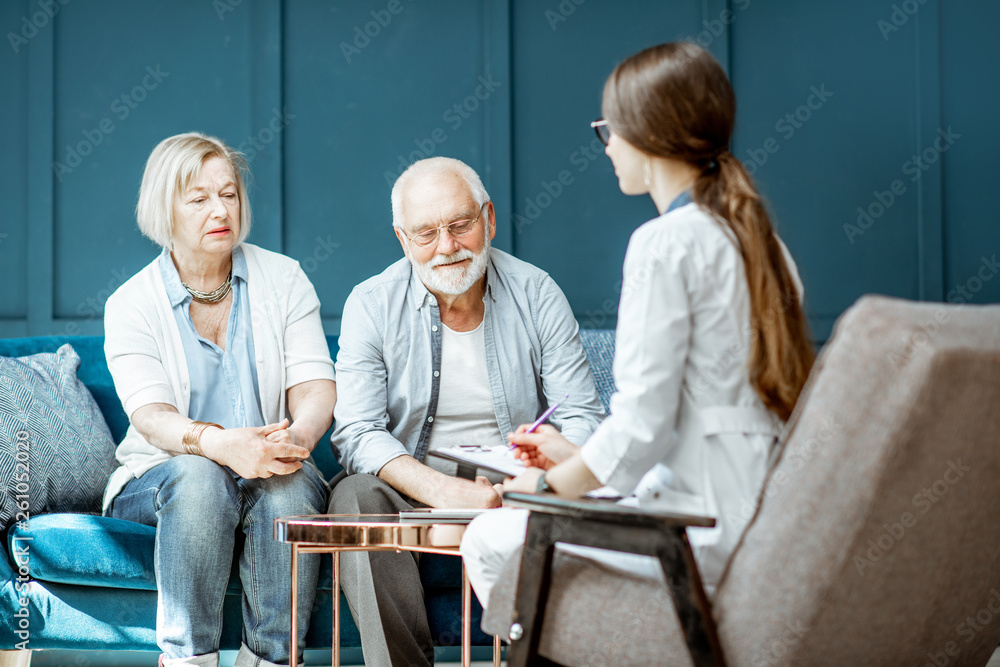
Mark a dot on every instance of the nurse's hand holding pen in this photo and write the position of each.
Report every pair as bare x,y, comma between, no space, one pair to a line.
543,448
551,455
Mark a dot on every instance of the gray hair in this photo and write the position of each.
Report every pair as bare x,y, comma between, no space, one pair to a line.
436,165
172,166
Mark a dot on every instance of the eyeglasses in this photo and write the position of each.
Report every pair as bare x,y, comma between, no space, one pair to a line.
457,229
603,130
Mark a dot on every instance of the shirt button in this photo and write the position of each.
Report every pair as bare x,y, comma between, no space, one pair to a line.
434,328
430,419
437,373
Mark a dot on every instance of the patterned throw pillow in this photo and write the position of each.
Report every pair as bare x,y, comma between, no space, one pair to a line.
56,452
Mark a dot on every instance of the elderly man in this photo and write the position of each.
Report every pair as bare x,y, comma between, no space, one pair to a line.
457,343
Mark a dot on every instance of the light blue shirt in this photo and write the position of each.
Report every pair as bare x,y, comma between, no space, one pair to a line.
224,388
389,363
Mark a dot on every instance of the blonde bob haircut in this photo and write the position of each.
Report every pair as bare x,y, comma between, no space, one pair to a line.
173,165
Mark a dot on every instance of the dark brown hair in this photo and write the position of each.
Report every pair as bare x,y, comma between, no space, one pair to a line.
675,101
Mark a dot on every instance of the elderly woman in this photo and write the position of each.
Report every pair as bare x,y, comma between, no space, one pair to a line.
218,356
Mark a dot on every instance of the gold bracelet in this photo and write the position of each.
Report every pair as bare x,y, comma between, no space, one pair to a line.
192,438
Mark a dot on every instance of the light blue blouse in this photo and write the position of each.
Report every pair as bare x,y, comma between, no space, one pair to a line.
224,387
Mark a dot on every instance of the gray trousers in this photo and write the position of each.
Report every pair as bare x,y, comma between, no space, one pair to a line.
383,588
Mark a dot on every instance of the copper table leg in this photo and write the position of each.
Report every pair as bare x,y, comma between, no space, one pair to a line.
466,619
336,609
293,645
315,534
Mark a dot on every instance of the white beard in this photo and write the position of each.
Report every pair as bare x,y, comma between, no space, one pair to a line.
458,280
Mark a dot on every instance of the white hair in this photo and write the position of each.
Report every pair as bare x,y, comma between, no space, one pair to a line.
171,168
436,165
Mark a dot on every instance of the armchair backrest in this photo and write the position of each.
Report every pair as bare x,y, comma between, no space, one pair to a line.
877,540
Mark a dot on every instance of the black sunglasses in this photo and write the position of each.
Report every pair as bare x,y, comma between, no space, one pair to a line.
602,129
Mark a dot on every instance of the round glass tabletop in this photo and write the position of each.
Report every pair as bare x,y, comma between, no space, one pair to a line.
371,531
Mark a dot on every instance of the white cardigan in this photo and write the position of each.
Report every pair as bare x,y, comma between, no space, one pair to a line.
146,357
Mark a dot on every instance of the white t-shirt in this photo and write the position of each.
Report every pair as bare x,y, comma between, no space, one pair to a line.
465,413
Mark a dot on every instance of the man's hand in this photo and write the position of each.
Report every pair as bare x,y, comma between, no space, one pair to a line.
544,448
250,452
463,494
435,489
289,436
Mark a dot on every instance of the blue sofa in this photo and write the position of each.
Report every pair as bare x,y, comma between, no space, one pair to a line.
92,583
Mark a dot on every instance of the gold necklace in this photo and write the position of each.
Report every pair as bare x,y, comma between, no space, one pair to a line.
216,295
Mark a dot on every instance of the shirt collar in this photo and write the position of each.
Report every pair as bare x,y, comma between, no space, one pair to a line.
422,295
683,199
176,292
491,278
239,264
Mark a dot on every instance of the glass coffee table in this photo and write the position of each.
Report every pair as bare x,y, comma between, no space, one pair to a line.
336,533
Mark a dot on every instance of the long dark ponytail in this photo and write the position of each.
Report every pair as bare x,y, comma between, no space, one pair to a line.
675,101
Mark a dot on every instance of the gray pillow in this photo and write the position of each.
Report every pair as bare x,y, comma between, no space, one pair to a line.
56,452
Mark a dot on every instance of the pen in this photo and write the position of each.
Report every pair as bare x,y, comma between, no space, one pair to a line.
541,420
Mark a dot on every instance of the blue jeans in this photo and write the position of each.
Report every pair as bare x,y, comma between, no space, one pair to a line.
205,516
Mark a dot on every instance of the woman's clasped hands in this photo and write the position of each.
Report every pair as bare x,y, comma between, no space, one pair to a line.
273,449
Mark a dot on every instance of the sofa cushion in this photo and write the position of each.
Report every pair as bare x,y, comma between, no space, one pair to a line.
87,550
58,451
440,571
599,346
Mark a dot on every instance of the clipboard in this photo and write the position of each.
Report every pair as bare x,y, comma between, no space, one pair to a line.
500,460
436,515
495,459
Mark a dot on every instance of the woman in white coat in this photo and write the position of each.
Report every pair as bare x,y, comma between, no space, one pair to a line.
712,347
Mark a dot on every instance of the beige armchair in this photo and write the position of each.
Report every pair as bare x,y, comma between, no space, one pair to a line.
877,536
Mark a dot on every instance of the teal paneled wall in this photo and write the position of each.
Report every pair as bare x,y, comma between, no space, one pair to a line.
13,182
570,217
328,98
970,100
